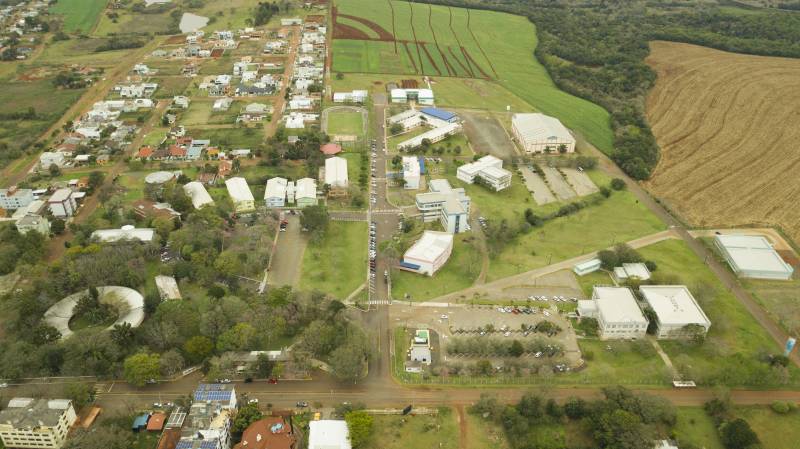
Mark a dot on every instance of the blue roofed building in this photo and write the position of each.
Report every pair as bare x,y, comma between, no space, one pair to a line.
222,394
441,114
140,423
208,424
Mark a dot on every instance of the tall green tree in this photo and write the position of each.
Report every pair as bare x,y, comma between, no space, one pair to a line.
141,367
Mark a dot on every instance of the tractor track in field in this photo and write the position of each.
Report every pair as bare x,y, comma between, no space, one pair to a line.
450,69
466,67
341,31
394,32
469,28
410,56
430,58
480,69
422,44
383,35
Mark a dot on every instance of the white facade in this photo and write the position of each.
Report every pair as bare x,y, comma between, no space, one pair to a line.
328,434
49,158
33,222
537,132
198,194
62,204
631,271
429,253
356,96
589,266
127,232
752,256
489,169
421,96
448,205
675,308
240,194
14,198
336,172
411,171
305,192
617,312
434,135
36,423
275,193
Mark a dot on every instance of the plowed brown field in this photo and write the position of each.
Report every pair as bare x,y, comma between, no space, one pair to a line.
729,130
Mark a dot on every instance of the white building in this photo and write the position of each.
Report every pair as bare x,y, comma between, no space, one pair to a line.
291,21
127,232
240,194
181,102
167,287
444,203
356,96
429,253
305,192
336,172
299,102
198,194
223,104
62,203
14,198
752,256
617,312
538,132
434,135
297,120
49,158
36,423
275,193
489,170
409,119
411,171
421,96
328,434
675,309
33,222
589,266
627,271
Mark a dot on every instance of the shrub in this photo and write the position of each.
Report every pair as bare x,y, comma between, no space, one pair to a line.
617,184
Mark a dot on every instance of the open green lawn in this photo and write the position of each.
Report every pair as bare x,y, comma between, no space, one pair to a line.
696,428
229,138
779,299
155,137
484,434
775,431
170,86
733,351
421,431
79,15
202,113
458,273
345,123
626,363
337,264
82,52
508,43
588,281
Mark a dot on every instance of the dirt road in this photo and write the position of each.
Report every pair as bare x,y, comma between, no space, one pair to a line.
280,102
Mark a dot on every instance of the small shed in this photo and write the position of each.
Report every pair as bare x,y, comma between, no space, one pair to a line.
156,422
140,422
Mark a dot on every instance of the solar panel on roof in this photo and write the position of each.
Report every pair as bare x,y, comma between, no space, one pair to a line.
208,444
184,444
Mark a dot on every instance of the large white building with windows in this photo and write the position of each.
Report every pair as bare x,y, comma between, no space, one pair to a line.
539,133
677,313
275,193
411,172
241,195
444,203
36,423
429,253
336,172
617,313
14,198
489,170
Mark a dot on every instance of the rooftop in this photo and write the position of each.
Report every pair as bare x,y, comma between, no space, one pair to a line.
753,253
328,434
238,189
336,171
430,247
536,126
60,195
271,432
617,305
441,114
674,304
276,188
198,194
127,232
31,413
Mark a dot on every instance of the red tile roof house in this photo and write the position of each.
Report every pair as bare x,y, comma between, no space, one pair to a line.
329,149
145,152
177,153
271,432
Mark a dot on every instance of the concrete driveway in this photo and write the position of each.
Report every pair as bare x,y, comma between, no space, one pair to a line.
287,261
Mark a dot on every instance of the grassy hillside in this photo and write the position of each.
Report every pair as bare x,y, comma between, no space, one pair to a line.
496,46
79,15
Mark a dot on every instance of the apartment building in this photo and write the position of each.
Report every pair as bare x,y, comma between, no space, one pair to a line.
36,423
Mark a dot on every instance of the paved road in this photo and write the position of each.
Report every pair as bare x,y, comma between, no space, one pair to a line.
288,258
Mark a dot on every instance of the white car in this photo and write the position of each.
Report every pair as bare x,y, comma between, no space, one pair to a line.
538,354
253,401
507,334
444,317
545,313
501,310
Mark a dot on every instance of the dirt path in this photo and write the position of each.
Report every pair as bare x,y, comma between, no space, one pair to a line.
94,94
462,427
280,103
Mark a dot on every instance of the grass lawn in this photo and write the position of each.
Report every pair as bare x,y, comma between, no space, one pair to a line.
458,273
502,50
775,431
170,86
79,15
779,299
735,345
401,432
392,141
626,363
345,123
696,428
337,264
81,51
588,281
229,138
129,20
483,434
154,137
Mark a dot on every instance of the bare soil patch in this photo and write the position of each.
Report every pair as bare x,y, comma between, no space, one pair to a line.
486,134
727,127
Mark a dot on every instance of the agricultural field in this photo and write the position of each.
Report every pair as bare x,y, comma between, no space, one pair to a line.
458,43
721,121
79,15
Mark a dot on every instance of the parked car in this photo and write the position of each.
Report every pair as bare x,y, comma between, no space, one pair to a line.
302,404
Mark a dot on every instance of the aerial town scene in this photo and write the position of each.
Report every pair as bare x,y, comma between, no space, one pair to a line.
399,224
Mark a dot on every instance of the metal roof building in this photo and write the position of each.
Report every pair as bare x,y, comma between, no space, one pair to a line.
240,194
617,312
429,253
441,114
752,256
336,172
275,193
198,194
675,308
537,132
127,232
328,434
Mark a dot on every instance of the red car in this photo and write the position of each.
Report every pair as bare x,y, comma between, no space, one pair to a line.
273,380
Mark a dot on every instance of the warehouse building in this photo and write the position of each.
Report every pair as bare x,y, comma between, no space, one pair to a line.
328,434
539,133
356,96
444,203
429,253
440,114
411,172
420,96
677,313
275,193
36,423
617,313
752,256
62,203
487,170
198,194
242,197
336,175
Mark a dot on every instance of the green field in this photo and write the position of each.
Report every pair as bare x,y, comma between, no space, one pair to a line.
229,138
399,432
345,123
779,299
79,15
733,351
337,264
695,427
508,42
625,363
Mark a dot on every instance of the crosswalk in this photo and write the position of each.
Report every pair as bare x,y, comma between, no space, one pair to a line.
376,302
385,211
